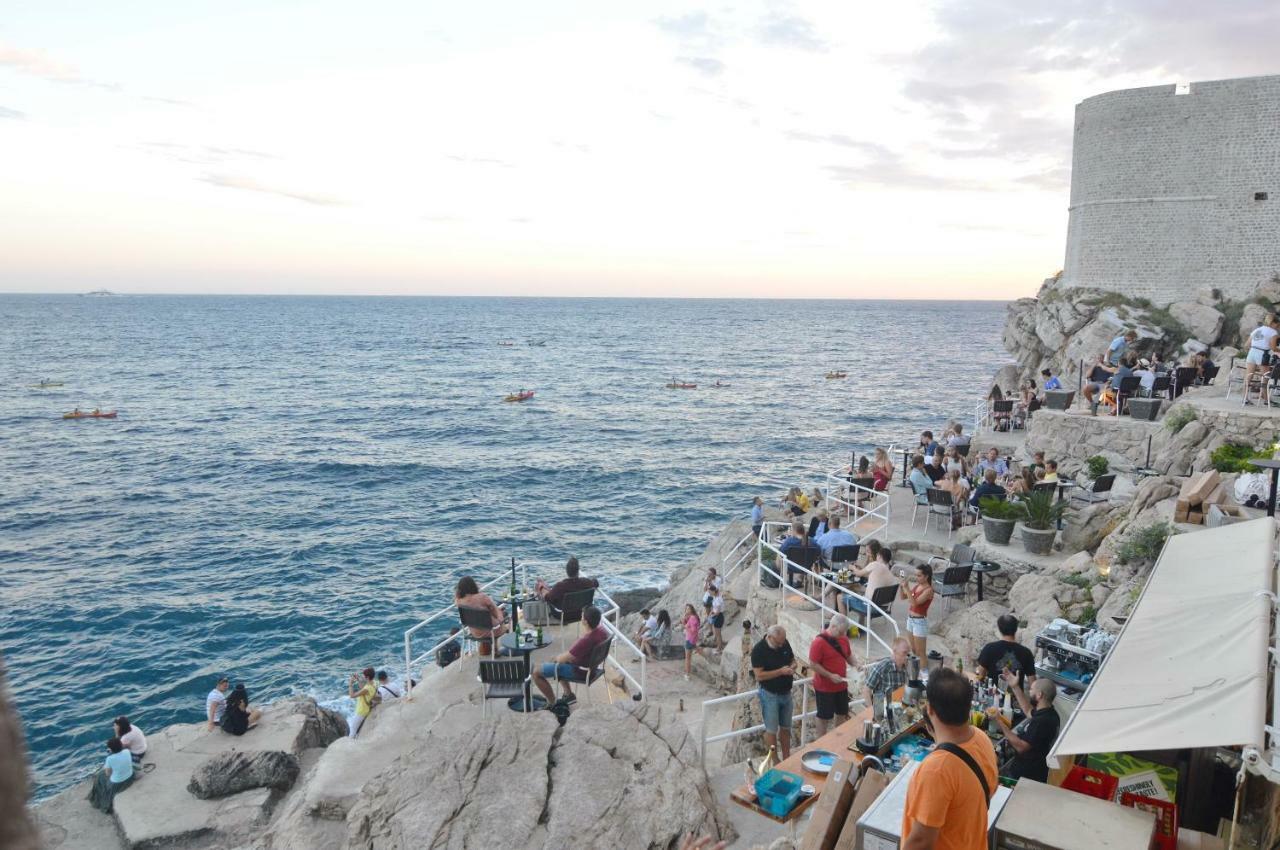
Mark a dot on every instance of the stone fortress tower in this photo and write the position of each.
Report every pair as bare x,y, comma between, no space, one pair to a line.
1176,188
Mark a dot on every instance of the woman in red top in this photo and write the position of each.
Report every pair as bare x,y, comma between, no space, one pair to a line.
920,592
882,470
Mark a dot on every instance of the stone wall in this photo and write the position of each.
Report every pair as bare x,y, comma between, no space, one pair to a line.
1070,438
1163,186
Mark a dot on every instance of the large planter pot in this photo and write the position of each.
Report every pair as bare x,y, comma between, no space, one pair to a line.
997,531
1038,542
1144,409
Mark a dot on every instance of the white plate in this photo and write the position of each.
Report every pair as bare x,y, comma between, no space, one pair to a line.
818,761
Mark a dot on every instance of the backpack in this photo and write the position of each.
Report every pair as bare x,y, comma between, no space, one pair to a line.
448,653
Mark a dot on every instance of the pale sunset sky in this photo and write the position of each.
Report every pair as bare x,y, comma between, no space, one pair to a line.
752,149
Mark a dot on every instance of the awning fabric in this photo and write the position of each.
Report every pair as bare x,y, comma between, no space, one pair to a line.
1189,668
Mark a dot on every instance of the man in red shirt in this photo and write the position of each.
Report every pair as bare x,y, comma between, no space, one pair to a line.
829,655
573,663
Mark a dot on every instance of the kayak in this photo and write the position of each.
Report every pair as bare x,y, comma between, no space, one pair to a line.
834,375
45,385
681,386
506,344
110,414
717,386
520,396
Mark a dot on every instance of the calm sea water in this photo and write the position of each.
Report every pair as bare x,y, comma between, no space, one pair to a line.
294,481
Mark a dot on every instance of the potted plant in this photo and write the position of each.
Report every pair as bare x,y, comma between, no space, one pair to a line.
998,518
1041,512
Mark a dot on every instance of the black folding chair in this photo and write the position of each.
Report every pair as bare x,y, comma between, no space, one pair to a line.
883,598
801,556
1002,414
814,522
1160,387
941,504
1128,386
1098,492
955,582
594,668
475,618
844,554
1184,377
503,678
571,611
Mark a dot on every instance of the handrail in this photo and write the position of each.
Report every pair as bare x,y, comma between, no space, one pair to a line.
410,662
856,509
805,714
727,573
617,634
825,583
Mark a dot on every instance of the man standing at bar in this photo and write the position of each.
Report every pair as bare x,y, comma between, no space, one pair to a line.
774,665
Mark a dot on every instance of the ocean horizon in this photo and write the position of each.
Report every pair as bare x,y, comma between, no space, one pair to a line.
294,480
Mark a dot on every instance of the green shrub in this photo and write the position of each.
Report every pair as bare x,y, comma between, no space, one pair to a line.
1145,544
1235,457
1180,417
998,508
1098,466
1041,510
1088,615
1077,580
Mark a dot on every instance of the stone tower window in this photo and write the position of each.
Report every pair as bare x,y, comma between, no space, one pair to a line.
1259,196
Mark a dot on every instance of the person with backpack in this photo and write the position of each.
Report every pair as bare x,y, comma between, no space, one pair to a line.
830,656
948,795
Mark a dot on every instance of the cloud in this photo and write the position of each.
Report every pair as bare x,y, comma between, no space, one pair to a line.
691,25
786,30
479,160
708,65
231,181
894,173
841,140
6,112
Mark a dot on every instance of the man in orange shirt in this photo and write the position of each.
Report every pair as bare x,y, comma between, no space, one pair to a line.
948,795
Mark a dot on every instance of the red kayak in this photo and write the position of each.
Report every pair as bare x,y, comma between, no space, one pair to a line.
110,414
523,395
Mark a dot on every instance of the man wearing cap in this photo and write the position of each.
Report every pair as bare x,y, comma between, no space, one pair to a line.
1147,374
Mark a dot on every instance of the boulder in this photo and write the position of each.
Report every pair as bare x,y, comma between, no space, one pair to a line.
235,771
1036,597
1081,563
1194,346
612,777
1209,296
320,726
632,601
1008,378
1253,315
969,629
1118,604
1202,322
1269,290
1086,525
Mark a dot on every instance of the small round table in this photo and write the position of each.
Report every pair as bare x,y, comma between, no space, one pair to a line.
529,701
982,568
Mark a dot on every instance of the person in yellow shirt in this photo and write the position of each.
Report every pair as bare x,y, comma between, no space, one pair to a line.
1051,471
366,697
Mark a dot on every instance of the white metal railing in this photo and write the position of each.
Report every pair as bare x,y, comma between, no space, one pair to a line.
826,584
981,415
411,661
742,551
616,633
804,684
856,506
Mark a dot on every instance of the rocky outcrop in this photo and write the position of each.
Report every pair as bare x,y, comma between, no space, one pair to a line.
233,772
610,778
16,828
1203,322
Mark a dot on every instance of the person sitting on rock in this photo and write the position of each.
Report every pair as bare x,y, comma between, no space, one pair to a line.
387,689
571,583
365,692
570,665
659,636
216,703
132,738
115,775
238,718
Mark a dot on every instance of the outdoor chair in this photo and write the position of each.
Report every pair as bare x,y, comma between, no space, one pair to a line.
1001,414
595,668
1098,492
1184,377
474,618
962,449
1128,386
571,612
942,504
1160,387
1059,399
1208,373
801,556
961,556
814,522
1046,487
844,554
955,582
883,598
502,678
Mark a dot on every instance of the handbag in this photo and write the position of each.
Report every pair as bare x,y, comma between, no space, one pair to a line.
536,613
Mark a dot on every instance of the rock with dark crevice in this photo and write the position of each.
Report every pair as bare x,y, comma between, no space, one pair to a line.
238,770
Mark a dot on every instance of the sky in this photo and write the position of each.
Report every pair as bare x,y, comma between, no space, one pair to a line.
753,149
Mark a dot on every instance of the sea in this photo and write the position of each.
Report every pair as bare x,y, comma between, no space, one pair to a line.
291,482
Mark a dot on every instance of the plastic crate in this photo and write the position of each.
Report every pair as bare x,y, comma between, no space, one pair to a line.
1166,817
777,792
1091,783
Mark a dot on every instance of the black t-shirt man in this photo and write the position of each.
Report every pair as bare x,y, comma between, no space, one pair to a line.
767,658
1039,730
1001,654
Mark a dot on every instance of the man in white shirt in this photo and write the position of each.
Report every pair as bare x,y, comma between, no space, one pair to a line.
835,536
216,703
648,626
1147,376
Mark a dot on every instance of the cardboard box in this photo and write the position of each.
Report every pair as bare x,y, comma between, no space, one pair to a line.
1195,517
1041,817
1224,515
1188,484
832,807
1204,484
1217,497
1180,511
873,783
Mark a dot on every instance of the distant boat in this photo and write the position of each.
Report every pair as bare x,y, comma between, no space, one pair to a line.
835,375
717,385
45,385
681,385
523,395
97,414
100,293
537,343
505,343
